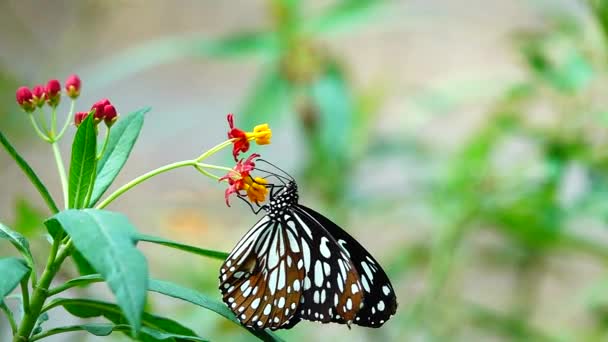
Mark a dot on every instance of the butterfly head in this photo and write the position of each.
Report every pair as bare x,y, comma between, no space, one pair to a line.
283,201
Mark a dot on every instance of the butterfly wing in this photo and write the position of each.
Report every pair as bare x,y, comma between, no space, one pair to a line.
331,288
379,300
257,278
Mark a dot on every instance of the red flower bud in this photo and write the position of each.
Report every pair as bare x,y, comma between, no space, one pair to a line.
110,115
39,93
53,92
79,118
99,108
25,99
72,86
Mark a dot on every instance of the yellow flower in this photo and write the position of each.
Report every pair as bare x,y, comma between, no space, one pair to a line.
256,189
261,134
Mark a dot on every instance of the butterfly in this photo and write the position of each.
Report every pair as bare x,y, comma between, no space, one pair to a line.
295,264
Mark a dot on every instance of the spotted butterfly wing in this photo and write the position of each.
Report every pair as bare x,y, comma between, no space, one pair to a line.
379,300
296,264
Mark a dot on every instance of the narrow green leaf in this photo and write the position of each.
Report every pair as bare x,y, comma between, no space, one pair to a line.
187,248
120,143
267,98
88,308
12,271
343,16
82,165
105,329
20,242
106,240
335,104
170,49
29,172
199,299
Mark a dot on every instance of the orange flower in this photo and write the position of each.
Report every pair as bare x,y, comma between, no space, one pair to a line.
261,134
237,178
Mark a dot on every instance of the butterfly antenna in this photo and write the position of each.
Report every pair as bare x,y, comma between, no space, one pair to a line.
278,168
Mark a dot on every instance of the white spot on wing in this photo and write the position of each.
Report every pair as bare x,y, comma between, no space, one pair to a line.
323,247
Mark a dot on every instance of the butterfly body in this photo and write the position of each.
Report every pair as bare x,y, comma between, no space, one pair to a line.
296,264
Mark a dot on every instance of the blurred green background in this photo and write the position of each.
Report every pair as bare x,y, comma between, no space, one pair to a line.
464,143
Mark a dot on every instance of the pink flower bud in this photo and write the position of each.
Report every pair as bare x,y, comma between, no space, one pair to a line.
39,93
53,92
110,115
99,108
25,99
72,86
79,118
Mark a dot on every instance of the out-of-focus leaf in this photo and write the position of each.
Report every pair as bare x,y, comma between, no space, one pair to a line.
120,143
335,105
105,329
266,100
12,271
199,299
82,165
344,16
88,308
29,172
28,219
573,75
106,240
187,248
171,49
20,242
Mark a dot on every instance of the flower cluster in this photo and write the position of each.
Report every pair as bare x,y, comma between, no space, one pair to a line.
240,181
103,110
30,99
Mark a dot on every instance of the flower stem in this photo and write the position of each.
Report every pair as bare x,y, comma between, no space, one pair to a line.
143,178
41,291
42,118
37,129
67,120
105,143
25,294
213,150
53,123
62,174
9,316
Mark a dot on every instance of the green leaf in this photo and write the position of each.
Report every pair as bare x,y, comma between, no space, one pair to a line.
19,242
12,271
29,172
28,218
82,165
267,98
199,299
152,324
83,266
187,248
335,104
171,49
105,329
343,16
120,143
106,241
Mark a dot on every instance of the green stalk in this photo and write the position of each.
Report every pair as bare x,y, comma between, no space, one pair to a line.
143,178
41,291
53,122
25,293
37,129
213,150
105,143
62,174
67,120
10,317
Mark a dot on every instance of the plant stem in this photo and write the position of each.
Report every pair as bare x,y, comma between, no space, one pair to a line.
84,280
55,331
105,143
67,120
143,178
42,118
9,316
25,294
53,122
37,129
214,149
41,292
62,174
